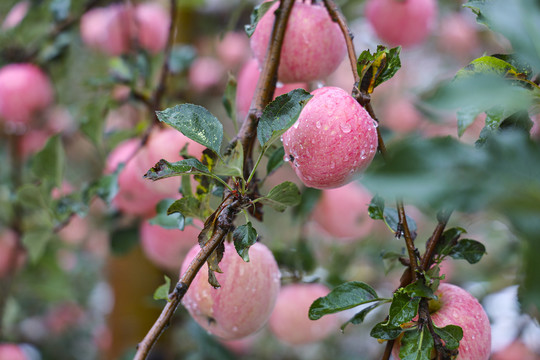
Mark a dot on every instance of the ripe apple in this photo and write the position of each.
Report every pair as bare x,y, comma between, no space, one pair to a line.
233,49
24,90
516,350
247,84
152,26
333,138
458,37
313,46
456,306
401,22
205,73
343,212
244,302
108,29
401,116
289,321
12,352
167,248
16,15
8,250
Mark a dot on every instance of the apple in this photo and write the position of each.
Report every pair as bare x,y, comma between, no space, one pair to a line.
152,23
205,73
401,116
343,212
333,138
244,302
401,22
458,37
247,85
24,90
107,29
233,49
167,248
9,250
12,352
313,47
16,15
516,350
289,321
456,306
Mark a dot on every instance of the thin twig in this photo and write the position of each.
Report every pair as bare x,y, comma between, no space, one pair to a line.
409,242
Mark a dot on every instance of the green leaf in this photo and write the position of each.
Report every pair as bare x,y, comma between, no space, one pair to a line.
181,58
281,196
403,308
342,297
60,9
384,331
448,240
420,289
470,250
162,292
487,65
124,240
390,259
188,206
256,15
359,317
164,169
244,236
35,242
451,335
417,345
376,68
164,219
48,164
196,123
229,98
280,115
275,160
376,208
391,218
232,164
105,188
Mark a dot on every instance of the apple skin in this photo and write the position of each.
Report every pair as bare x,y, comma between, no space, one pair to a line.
12,352
313,46
205,73
401,22
166,248
343,212
458,307
333,138
152,26
401,116
247,85
514,351
233,49
244,302
107,29
24,90
290,322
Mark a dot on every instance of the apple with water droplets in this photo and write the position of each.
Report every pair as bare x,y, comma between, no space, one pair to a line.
333,138
246,298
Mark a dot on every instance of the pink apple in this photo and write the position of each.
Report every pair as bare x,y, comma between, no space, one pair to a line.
401,116
152,26
167,248
24,90
456,306
458,37
333,139
76,231
16,15
11,258
401,22
108,29
343,212
313,46
244,302
290,322
247,85
233,49
12,352
516,350
205,73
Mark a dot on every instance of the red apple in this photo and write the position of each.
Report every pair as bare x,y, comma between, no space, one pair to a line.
12,352
167,248
233,49
401,22
244,302
152,26
16,15
343,212
458,37
247,84
205,73
516,350
290,322
333,138
401,116
313,46
456,306
24,90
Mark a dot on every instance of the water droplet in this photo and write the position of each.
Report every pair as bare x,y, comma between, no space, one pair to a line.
286,158
363,154
296,124
375,124
332,165
309,177
346,158
345,127
235,329
319,84
279,84
318,124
